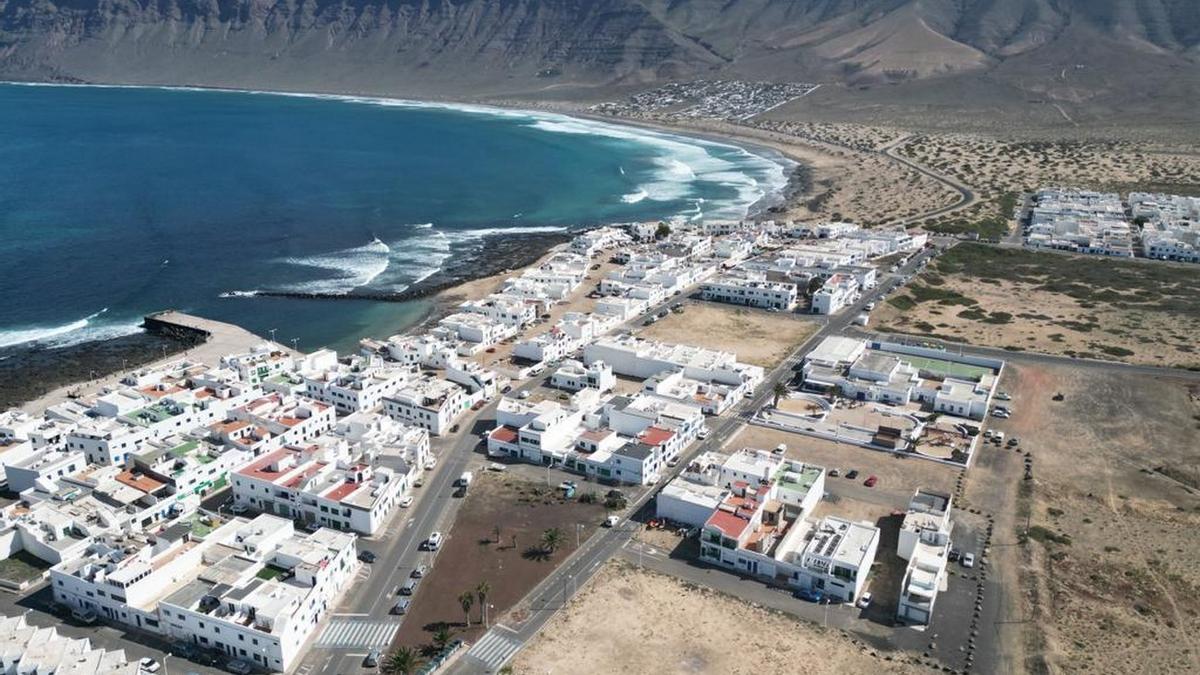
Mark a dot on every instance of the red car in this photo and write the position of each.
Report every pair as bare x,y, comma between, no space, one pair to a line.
871,481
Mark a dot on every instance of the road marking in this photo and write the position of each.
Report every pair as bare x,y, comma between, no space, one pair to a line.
349,614
494,649
350,633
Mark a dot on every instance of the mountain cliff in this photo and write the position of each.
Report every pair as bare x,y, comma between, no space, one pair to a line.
501,46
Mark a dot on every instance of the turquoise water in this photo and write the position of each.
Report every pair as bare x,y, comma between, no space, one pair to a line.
115,202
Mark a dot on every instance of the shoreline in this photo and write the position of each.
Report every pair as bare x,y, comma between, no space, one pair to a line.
36,370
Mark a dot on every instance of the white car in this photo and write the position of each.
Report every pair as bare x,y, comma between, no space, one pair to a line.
149,665
431,462
238,508
968,559
434,541
864,601
406,502
703,433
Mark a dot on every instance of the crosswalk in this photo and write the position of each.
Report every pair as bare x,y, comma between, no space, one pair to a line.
351,633
494,649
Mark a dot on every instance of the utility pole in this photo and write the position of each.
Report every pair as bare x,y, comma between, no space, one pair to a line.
272,332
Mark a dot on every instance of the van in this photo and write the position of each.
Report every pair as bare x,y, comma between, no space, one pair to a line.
465,479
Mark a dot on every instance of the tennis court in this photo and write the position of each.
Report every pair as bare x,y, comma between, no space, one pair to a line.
938,366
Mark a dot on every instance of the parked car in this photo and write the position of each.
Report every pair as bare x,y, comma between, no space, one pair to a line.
434,542
834,473
809,595
953,555
431,462
612,521
703,433
524,394
409,586
419,571
238,666
372,658
673,462
84,616
864,600
366,556
149,665
1013,442
852,474
871,481
1003,396
497,467
401,606
239,509
968,560
406,502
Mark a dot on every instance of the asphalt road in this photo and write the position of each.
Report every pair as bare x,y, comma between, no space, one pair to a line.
966,195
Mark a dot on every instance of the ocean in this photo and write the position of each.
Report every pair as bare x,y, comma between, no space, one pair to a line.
119,201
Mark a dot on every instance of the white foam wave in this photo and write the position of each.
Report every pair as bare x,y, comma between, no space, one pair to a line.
635,197
352,268
73,333
239,294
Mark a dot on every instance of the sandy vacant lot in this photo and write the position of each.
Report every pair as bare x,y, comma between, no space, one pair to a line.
472,554
1139,312
634,621
756,336
1110,569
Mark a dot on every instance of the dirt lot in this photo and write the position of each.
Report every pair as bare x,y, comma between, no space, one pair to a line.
635,621
1110,569
1084,306
757,337
471,553
898,477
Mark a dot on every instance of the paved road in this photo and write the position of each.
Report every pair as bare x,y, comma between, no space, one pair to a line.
965,194
552,594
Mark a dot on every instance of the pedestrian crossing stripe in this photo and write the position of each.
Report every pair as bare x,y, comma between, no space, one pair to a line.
343,634
494,650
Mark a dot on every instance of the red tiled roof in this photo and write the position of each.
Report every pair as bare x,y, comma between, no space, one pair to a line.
141,482
656,436
730,524
308,472
504,434
342,490
258,469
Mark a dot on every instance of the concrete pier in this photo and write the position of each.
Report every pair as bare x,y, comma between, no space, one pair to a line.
219,339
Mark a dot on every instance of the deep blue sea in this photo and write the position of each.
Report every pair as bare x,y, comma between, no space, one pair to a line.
116,201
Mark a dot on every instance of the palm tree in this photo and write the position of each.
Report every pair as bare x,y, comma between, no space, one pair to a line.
403,661
779,391
481,592
467,599
552,539
441,637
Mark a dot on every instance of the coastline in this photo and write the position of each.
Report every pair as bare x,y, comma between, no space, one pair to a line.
29,372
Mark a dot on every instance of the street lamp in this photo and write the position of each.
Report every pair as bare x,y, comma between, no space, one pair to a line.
272,332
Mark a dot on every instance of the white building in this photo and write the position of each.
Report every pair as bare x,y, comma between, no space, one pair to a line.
29,649
838,557
837,292
358,385
635,357
573,376
750,291
432,404
322,487
253,590
924,542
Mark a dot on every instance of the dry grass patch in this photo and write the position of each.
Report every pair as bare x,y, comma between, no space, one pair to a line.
1082,306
